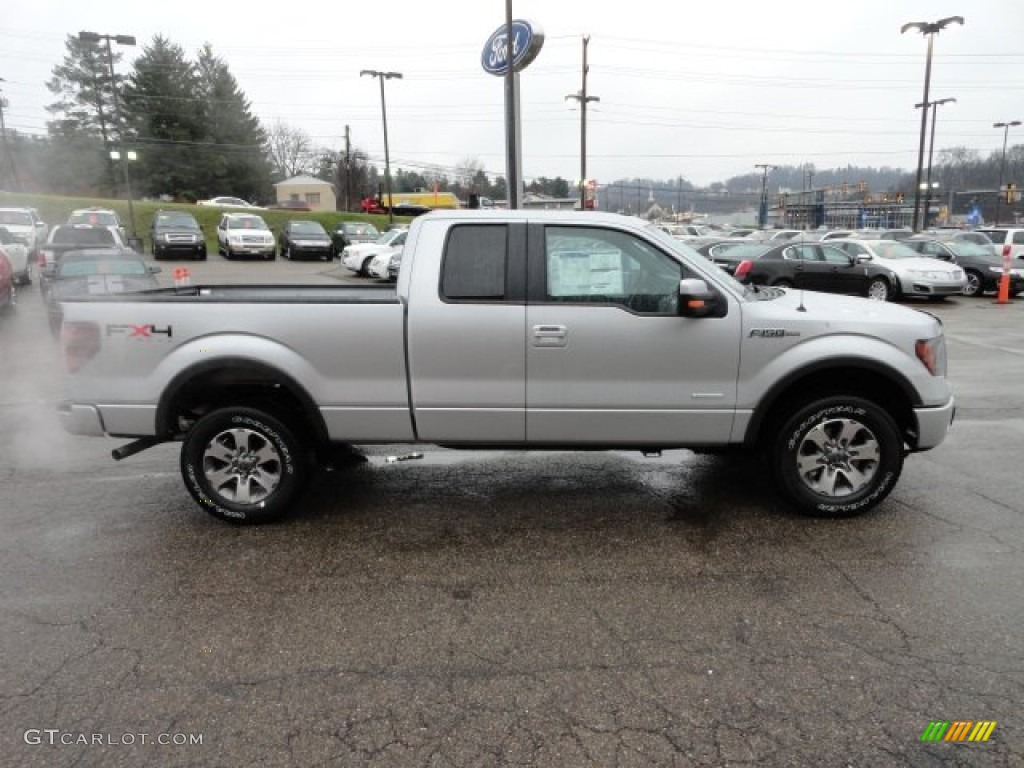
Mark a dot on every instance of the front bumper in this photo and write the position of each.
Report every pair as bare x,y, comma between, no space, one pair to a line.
80,419
933,424
923,286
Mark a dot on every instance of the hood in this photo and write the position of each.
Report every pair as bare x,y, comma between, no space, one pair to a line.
833,312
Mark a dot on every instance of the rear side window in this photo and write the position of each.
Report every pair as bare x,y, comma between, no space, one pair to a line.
1018,238
475,263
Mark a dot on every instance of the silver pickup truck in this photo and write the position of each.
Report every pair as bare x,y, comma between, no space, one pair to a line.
512,329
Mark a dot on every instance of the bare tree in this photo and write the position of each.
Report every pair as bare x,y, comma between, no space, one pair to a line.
290,150
467,172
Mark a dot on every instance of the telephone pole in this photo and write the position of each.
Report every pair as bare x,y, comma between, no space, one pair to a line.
348,171
7,146
582,97
762,212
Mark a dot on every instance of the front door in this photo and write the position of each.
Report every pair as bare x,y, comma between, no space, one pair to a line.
609,361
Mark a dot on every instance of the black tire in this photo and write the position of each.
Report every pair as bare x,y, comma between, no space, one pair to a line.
364,268
209,456
879,289
975,283
861,441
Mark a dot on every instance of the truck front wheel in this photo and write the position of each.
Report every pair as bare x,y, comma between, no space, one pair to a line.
837,456
243,465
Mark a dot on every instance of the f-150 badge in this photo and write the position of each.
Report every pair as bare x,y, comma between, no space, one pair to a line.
771,333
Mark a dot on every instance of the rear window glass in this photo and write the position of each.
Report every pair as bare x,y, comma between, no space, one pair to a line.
475,261
83,236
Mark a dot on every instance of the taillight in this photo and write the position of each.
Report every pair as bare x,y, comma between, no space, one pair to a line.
742,269
41,260
80,342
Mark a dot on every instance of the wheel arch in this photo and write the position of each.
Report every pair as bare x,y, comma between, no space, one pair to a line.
840,376
206,386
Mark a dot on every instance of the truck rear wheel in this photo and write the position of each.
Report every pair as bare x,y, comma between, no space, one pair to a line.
243,465
837,456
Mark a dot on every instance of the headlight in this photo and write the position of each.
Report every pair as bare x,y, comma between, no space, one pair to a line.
932,354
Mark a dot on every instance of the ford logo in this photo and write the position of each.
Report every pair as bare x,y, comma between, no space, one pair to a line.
527,40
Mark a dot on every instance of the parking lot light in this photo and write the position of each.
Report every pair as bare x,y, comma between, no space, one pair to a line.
382,76
929,30
95,37
1002,163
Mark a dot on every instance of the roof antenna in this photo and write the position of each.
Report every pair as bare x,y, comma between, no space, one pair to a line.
801,308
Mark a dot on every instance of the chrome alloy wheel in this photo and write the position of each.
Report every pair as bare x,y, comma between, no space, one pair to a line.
838,457
878,290
242,466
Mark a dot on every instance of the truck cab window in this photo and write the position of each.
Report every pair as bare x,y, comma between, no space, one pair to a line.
597,266
475,261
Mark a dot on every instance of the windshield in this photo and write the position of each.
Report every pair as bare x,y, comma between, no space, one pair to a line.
17,218
176,221
967,248
307,228
85,267
94,218
247,222
679,247
363,230
82,236
394,237
739,250
887,249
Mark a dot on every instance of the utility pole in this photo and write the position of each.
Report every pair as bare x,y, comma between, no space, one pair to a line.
583,99
762,213
348,172
7,146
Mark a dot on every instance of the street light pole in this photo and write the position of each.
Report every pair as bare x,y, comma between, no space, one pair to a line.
929,30
93,37
583,99
7,146
762,213
382,76
931,150
1002,163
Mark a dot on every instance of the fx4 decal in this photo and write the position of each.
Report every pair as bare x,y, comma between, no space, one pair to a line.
146,331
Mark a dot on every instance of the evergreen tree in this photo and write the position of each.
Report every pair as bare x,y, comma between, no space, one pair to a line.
232,157
161,109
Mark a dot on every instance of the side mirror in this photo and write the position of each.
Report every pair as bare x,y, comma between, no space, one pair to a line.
863,257
696,299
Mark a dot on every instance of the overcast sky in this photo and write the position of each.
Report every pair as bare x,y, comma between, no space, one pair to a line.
702,90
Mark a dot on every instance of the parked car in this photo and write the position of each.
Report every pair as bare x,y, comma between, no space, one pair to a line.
302,238
7,290
1003,236
67,238
358,257
982,267
728,254
25,226
245,234
968,235
381,262
17,254
99,217
914,275
96,272
394,264
351,232
776,234
290,205
817,267
177,233
227,202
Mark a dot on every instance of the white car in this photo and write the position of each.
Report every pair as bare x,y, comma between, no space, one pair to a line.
17,255
357,257
229,202
245,234
25,227
917,275
382,261
99,217
1003,236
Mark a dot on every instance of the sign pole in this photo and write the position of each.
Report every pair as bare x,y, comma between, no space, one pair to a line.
511,113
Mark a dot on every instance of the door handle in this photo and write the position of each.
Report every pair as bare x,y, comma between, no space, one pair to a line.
550,335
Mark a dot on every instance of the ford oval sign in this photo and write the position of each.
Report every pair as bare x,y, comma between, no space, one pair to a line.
527,40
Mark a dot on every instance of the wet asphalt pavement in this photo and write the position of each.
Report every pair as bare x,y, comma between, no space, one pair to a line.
510,609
